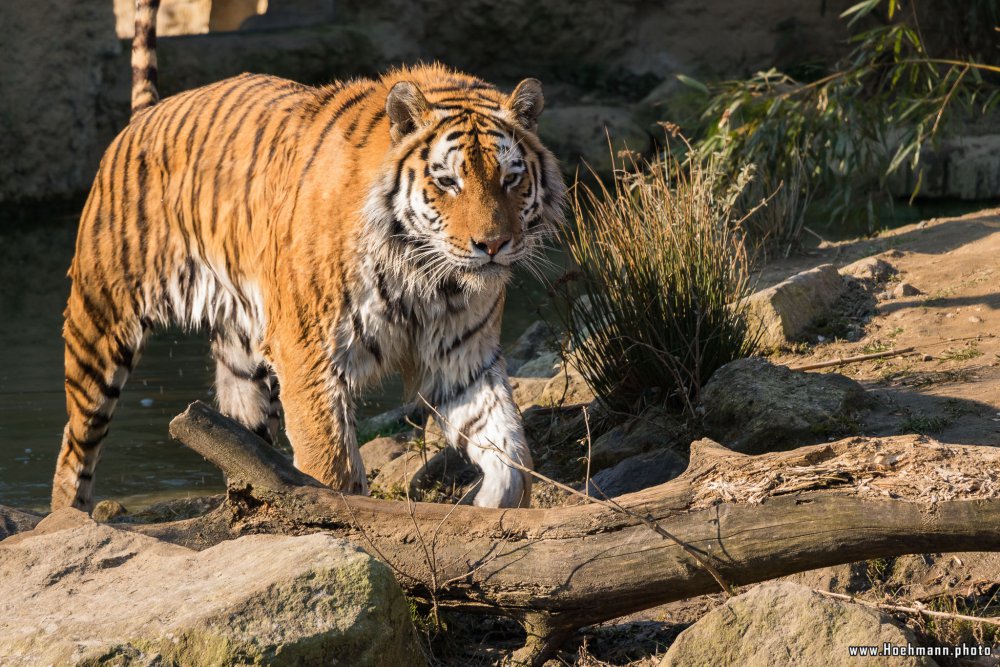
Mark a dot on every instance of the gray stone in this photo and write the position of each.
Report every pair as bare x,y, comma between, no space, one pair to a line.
536,340
788,624
582,133
638,472
16,521
787,309
377,453
905,289
655,428
547,365
753,406
872,269
74,592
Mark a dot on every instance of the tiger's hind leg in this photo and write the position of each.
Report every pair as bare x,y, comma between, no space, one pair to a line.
104,339
245,388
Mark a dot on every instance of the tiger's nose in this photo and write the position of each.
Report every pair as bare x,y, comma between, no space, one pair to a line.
491,246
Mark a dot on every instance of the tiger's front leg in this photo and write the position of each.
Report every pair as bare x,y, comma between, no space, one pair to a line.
319,412
476,410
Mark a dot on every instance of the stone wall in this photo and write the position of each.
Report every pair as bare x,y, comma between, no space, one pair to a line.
52,73
608,68
624,47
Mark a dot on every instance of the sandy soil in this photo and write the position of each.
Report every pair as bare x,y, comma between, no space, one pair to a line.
950,386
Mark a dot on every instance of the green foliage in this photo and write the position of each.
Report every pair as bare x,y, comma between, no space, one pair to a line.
663,264
924,424
834,142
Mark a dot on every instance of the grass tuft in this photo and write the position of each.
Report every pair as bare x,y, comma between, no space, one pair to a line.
662,261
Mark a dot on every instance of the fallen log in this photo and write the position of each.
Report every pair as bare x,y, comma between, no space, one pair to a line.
752,517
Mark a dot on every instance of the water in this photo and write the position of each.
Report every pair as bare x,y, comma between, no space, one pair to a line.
140,463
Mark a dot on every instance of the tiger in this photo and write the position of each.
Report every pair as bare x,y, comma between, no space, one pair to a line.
322,236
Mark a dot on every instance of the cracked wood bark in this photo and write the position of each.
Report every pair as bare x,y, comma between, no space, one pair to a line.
555,570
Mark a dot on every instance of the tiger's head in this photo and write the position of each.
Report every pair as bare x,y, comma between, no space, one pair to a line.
473,191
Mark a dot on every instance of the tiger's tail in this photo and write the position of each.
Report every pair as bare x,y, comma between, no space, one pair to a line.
144,93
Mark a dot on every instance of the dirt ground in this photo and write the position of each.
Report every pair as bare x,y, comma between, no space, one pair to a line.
949,387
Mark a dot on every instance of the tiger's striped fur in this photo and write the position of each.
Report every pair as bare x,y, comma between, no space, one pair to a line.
324,236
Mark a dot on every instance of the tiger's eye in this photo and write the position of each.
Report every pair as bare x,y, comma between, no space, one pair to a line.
445,182
510,179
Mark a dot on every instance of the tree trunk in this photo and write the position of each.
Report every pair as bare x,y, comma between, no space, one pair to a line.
751,517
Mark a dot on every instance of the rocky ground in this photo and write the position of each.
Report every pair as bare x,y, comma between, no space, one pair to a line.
927,289
922,297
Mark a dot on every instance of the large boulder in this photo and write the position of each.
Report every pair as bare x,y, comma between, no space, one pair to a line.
73,592
785,311
788,624
754,406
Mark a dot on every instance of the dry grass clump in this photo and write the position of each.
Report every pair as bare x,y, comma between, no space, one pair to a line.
662,261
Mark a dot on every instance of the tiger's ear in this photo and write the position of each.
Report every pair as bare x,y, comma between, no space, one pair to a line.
527,103
405,106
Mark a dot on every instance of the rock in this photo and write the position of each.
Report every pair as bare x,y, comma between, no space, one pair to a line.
753,406
74,592
582,133
392,421
55,54
176,509
536,340
655,428
957,167
108,510
787,624
872,269
785,311
848,578
905,289
567,388
377,453
638,472
528,391
547,365
15,521
429,475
